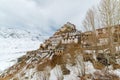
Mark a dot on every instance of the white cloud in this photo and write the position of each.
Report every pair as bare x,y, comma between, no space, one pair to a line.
43,15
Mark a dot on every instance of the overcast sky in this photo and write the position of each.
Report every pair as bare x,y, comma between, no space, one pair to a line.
44,16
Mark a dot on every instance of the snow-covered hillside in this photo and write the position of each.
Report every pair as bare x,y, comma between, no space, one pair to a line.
62,57
14,43
18,34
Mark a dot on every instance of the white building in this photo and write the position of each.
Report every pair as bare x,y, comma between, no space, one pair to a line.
71,39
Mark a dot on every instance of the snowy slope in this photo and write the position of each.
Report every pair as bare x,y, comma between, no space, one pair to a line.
47,64
18,34
14,43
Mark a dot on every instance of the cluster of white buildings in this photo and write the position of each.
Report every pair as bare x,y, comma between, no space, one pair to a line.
66,35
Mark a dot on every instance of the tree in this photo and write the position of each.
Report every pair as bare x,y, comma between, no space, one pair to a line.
90,23
109,11
106,15
80,65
